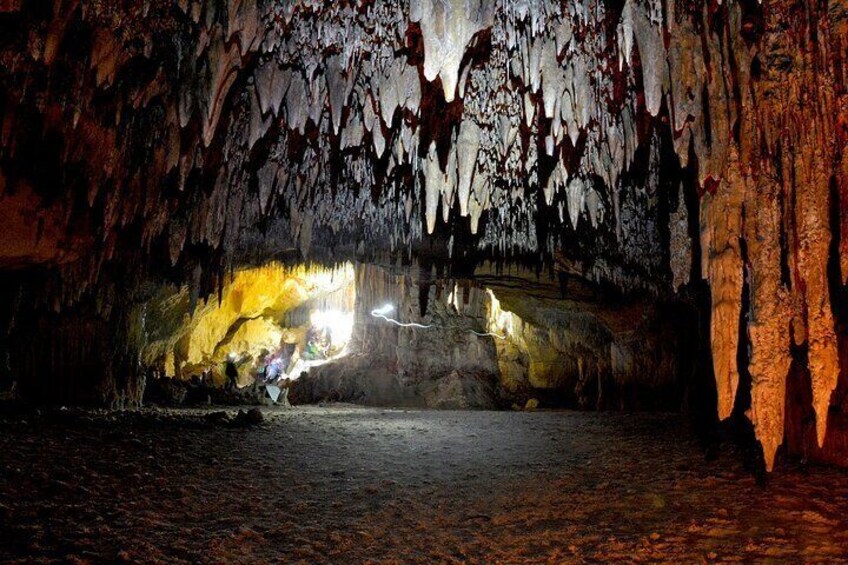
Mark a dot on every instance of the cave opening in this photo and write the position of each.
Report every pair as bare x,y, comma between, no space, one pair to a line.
355,333
266,327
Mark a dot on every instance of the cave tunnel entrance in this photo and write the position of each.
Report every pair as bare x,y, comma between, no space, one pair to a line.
356,333
267,326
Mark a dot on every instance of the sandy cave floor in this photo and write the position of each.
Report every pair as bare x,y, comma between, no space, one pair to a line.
350,485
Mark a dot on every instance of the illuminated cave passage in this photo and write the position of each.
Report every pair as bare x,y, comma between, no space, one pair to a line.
268,325
357,334
424,280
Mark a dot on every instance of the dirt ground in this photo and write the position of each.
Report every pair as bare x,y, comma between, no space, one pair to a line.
356,485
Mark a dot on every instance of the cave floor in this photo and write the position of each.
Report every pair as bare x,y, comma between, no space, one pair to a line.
349,484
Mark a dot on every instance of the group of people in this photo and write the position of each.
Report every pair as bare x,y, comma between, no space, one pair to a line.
271,369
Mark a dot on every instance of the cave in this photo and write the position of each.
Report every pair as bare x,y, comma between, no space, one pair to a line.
424,281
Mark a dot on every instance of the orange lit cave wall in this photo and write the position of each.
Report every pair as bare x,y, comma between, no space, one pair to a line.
257,309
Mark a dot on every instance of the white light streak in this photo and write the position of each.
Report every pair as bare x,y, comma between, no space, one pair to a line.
386,308
382,311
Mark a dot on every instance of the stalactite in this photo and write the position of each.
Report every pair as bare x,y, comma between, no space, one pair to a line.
721,232
811,197
770,312
680,244
468,145
842,179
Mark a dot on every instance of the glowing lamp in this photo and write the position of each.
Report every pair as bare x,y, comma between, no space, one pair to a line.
339,324
382,310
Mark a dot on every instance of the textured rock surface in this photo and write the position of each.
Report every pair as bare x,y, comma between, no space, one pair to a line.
501,343
248,314
442,364
179,139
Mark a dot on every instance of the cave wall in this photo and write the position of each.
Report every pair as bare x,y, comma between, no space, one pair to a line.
440,365
637,143
256,308
69,357
502,343
572,349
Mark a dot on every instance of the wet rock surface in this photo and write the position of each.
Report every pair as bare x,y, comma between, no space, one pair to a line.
345,484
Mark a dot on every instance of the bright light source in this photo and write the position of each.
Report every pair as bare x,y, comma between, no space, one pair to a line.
231,356
338,323
340,327
382,310
385,309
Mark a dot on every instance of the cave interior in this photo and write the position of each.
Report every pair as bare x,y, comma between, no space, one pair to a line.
582,209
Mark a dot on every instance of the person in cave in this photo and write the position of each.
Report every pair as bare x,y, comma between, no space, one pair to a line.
231,373
262,366
285,358
272,371
317,344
